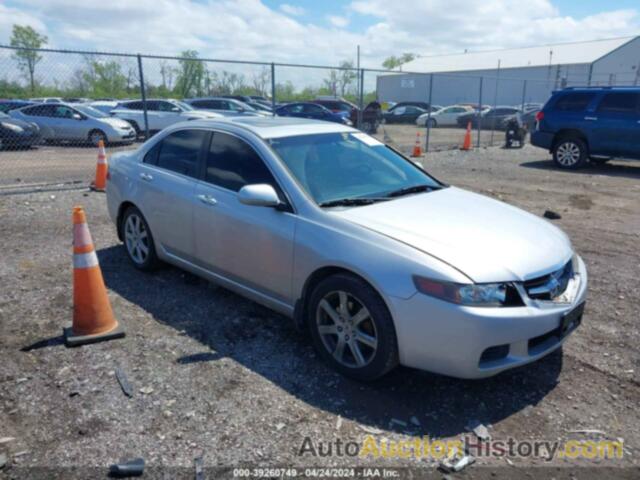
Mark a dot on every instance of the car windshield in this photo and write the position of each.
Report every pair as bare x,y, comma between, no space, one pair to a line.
90,111
183,106
338,166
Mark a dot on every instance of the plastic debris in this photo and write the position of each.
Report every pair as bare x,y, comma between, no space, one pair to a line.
132,468
551,215
479,430
372,430
124,383
457,461
199,470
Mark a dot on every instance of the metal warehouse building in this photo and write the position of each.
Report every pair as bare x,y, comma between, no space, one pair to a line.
514,76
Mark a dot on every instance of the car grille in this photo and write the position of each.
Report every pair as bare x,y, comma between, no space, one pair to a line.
550,286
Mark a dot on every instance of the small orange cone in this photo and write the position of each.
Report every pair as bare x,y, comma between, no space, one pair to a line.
100,183
93,319
466,145
417,148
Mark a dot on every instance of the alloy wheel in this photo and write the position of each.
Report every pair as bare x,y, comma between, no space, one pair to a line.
347,329
136,238
568,154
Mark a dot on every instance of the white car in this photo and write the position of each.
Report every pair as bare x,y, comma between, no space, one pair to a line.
445,117
379,261
161,113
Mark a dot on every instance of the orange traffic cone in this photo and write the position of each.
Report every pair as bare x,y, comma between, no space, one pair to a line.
466,145
100,183
93,319
417,148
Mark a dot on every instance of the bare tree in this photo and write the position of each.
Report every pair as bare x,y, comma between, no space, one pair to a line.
261,81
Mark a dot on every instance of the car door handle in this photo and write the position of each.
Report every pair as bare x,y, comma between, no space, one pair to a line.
146,177
591,118
207,199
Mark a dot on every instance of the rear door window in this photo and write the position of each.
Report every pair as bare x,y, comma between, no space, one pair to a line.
179,152
619,103
574,102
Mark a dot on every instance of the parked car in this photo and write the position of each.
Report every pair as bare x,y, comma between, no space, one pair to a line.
379,261
261,107
47,100
337,105
403,114
423,105
160,113
528,119
224,106
16,133
105,106
311,110
445,117
75,123
578,125
8,105
489,118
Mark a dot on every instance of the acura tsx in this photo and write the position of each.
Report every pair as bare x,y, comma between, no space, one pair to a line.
379,261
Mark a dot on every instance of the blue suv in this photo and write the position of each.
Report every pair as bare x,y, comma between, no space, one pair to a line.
590,124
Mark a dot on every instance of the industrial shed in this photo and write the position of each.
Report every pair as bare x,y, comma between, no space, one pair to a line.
514,76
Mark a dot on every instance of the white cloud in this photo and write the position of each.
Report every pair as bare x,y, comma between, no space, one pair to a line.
338,21
292,10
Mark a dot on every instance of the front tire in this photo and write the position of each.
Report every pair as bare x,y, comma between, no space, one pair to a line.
431,123
570,153
352,328
95,136
138,240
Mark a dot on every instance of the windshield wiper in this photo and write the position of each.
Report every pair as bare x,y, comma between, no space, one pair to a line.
414,189
349,202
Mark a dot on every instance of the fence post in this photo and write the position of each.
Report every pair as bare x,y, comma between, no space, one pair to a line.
273,88
360,99
478,113
143,93
524,94
428,122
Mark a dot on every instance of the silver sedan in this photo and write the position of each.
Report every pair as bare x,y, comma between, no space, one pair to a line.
75,123
379,261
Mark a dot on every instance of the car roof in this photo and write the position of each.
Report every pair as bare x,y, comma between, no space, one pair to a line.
275,127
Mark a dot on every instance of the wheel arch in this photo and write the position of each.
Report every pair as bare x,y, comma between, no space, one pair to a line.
317,276
121,209
569,133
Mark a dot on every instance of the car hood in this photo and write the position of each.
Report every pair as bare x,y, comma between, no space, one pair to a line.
487,240
115,122
18,122
201,114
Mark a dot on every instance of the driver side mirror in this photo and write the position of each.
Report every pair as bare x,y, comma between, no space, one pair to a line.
259,195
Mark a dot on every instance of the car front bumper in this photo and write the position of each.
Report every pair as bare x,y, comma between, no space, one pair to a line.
122,136
450,339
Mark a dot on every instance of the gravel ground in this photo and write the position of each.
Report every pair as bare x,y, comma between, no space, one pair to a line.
220,377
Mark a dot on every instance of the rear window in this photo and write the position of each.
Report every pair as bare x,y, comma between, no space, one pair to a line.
574,102
619,102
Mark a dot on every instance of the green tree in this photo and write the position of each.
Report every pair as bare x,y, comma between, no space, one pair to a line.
27,37
105,79
346,77
393,62
191,74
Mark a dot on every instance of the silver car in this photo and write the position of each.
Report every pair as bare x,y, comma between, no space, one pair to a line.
381,262
75,123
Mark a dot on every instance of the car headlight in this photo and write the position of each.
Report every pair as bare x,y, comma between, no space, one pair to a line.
11,126
473,294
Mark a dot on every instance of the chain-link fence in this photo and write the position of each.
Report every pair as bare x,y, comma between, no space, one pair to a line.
56,105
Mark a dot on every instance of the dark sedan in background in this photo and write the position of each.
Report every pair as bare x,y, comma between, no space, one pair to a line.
490,118
16,133
311,110
403,114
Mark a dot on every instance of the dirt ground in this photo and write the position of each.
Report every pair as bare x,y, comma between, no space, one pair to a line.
219,377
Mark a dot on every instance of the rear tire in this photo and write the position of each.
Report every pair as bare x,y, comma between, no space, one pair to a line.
138,240
570,153
351,328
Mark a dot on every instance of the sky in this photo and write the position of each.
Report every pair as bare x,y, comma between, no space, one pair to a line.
317,31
